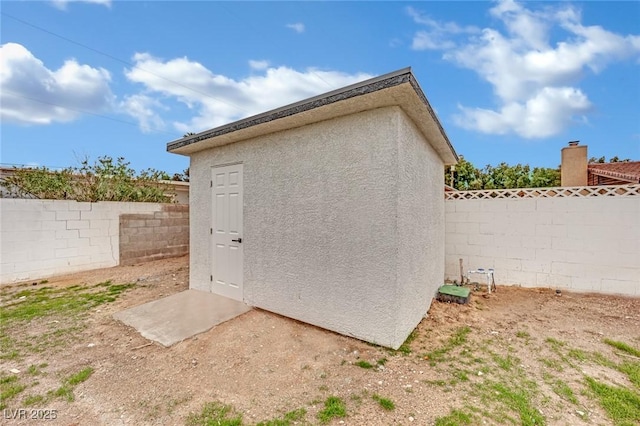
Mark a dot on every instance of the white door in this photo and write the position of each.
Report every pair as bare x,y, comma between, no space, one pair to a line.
226,231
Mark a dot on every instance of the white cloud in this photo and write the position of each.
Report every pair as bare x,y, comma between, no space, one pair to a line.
144,109
62,4
544,114
33,94
527,70
297,27
438,34
216,99
258,65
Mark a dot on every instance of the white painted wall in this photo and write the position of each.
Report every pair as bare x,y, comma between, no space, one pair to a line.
42,238
583,244
325,209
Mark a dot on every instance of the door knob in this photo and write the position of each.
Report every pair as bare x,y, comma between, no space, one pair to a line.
239,240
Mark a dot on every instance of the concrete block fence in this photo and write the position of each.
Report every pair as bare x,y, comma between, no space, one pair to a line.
156,235
42,238
583,244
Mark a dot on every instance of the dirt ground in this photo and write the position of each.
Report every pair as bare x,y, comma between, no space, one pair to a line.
264,365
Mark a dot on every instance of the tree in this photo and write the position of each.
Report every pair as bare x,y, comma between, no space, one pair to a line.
103,180
502,176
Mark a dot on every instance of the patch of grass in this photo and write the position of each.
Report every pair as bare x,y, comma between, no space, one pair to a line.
385,403
66,390
458,338
10,387
215,413
461,375
292,417
34,400
632,370
80,376
47,301
517,399
598,358
334,407
578,354
364,364
523,335
621,404
36,370
563,391
381,361
506,363
66,305
454,418
555,343
623,347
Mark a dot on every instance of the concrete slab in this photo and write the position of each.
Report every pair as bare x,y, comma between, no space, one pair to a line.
182,315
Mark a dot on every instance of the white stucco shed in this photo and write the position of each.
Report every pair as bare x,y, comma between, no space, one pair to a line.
329,210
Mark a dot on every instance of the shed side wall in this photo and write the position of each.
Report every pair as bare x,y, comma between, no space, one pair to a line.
420,226
320,229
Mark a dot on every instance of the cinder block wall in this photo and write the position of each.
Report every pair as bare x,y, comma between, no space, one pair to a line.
42,238
157,235
583,244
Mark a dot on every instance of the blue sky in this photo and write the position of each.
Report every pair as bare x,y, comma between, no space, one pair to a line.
510,81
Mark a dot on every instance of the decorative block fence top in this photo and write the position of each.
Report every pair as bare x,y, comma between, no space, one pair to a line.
555,192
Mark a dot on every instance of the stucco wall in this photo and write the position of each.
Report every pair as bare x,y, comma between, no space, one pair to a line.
42,238
583,244
321,223
420,226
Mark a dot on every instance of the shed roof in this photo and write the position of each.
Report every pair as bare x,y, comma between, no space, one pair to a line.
398,88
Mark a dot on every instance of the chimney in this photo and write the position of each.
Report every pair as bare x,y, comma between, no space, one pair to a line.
573,168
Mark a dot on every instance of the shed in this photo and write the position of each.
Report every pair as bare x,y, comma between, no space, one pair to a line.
329,210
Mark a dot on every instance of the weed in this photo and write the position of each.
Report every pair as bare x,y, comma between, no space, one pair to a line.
44,281
623,347
364,364
385,403
215,413
621,404
334,407
323,388
381,361
523,335
454,418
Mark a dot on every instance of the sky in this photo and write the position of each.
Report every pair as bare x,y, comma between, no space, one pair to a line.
510,81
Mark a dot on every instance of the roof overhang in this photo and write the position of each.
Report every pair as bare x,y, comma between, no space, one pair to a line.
399,88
